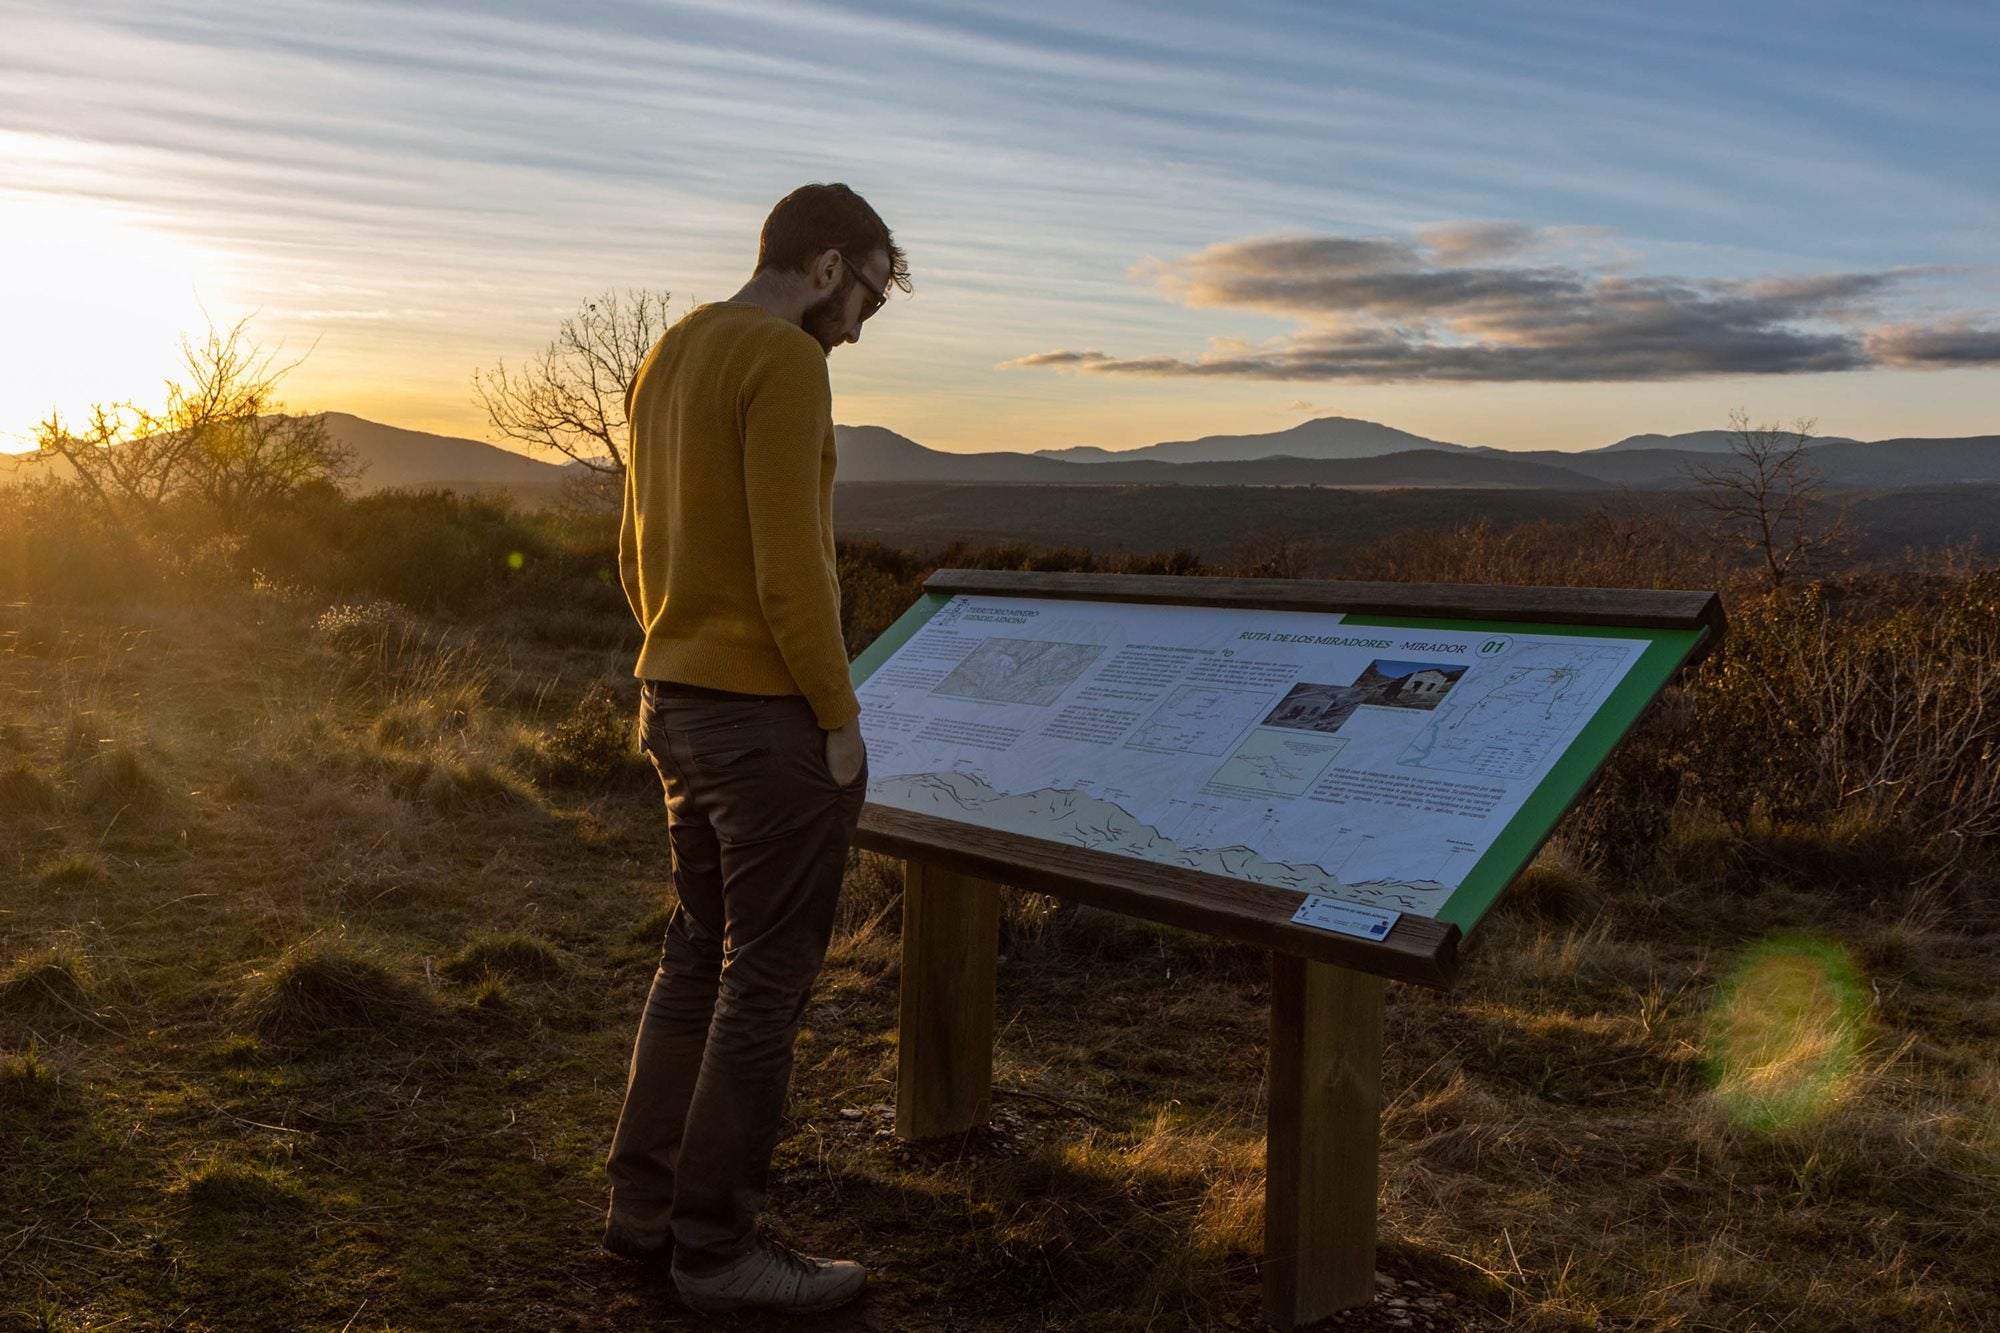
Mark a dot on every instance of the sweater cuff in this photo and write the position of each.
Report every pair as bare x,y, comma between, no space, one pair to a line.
835,711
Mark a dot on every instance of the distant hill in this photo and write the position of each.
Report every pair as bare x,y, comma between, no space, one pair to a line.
24,468
1909,462
1324,437
1699,442
1872,465
873,454
389,456
1317,453
392,456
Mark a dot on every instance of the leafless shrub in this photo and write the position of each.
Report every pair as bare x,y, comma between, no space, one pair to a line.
570,397
1767,497
221,438
1618,545
1897,714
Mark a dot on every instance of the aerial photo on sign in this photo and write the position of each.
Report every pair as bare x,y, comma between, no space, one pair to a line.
1367,764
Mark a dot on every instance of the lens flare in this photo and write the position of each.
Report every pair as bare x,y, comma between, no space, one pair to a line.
1785,1034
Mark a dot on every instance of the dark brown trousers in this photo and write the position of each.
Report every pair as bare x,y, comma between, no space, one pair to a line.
759,832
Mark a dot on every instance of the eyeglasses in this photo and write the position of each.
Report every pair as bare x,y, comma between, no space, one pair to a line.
877,296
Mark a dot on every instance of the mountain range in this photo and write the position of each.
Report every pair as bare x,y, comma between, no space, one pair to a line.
1329,451
1339,451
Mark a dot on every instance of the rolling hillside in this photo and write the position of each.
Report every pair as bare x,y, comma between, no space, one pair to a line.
1318,453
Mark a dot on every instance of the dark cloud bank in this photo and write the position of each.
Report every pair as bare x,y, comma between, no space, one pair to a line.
1469,303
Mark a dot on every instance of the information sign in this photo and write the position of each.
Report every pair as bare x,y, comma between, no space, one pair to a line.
1348,774
1379,764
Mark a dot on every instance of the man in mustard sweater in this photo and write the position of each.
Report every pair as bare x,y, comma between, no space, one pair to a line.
726,555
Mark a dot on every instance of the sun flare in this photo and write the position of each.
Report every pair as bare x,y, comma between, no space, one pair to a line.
97,300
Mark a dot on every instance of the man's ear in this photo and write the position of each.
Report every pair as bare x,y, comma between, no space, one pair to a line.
826,268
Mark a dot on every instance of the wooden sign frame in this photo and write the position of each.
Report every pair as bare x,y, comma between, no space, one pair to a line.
1321,1175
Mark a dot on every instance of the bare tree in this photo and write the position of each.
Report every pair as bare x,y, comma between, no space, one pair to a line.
570,396
222,437
1768,495
253,460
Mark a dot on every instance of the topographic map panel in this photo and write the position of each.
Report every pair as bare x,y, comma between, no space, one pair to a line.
1019,671
1519,711
1200,719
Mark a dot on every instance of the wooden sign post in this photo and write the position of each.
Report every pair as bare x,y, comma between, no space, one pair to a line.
1325,1062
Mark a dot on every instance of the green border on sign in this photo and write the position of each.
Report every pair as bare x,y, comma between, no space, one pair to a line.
894,637
1574,770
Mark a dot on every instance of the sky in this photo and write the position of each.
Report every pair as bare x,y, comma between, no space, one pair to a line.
1531,225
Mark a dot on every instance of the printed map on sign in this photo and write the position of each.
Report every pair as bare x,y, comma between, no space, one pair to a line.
1359,763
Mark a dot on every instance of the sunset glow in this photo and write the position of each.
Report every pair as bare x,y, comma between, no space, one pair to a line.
110,294
1091,200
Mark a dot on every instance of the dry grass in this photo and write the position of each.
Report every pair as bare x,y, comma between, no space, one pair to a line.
320,950
514,955
51,985
321,987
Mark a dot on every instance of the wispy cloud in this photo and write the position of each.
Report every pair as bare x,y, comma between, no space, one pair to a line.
477,169
1441,307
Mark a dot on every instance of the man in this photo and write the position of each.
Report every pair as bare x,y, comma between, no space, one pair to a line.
726,555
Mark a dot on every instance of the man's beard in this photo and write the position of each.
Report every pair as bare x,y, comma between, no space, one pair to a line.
823,318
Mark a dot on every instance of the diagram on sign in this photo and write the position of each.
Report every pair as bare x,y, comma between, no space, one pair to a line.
1019,671
1277,763
1199,719
1079,819
1512,721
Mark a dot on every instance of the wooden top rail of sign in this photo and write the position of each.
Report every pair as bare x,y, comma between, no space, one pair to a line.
1418,949
1634,608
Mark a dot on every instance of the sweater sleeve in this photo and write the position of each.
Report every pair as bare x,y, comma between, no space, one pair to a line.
628,546
788,414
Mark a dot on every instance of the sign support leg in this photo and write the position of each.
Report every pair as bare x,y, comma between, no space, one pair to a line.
1321,1173
951,945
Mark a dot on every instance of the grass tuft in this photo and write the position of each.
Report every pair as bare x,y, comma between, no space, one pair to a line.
116,778
75,870
53,984
492,995
24,791
30,1088
319,986
515,955
1556,886
242,1189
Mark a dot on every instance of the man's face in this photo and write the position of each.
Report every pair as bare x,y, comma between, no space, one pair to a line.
836,317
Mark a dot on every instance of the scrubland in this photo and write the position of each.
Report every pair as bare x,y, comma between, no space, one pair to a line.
330,885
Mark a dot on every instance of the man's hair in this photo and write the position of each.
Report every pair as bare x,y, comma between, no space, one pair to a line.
816,218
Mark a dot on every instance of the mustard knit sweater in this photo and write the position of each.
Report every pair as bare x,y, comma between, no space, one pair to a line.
726,547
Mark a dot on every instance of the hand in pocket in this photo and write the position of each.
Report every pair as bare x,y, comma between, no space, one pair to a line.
845,753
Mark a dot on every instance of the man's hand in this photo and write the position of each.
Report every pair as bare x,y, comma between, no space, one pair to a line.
845,752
